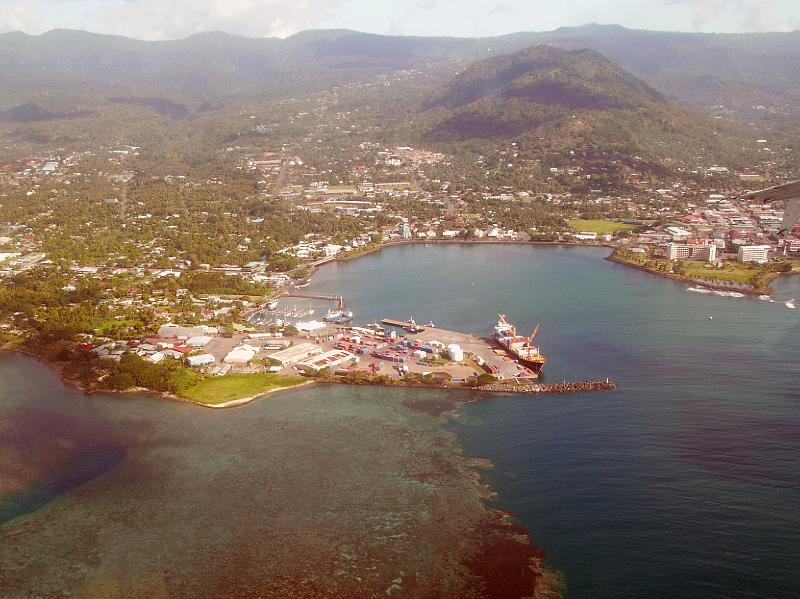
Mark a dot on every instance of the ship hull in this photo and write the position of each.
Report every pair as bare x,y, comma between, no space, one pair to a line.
535,366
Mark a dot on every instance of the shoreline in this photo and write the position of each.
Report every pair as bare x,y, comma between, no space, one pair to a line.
476,393
766,290
314,266
58,369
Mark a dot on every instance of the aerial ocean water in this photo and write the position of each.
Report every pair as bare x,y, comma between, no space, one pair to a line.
682,483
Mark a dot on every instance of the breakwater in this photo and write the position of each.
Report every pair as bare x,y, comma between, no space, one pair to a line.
562,387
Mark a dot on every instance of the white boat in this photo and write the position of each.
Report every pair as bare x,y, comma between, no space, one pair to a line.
272,305
790,304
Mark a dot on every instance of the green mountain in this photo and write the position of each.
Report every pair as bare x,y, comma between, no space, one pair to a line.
698,69
560,99
517,93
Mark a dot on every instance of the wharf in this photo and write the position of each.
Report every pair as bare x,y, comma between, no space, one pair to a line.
407,325
479,347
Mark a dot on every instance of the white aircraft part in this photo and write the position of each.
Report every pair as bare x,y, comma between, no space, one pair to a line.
791,214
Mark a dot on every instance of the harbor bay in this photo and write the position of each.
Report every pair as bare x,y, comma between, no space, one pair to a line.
679,483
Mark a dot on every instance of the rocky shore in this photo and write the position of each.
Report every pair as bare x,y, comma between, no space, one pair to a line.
562,387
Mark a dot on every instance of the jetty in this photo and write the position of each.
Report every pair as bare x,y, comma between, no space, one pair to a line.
319,296
562,387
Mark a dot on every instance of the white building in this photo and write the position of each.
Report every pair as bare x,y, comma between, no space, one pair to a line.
331,250
243,354
156,357
681,251
296,353
677,251
200,360
328,359
754,253
198,341
175,330
678,234
704,252
585,236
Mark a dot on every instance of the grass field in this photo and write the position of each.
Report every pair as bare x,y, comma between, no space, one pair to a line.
598,226
221,389
731,271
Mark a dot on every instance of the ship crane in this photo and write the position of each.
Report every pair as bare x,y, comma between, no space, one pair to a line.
505,323
534,333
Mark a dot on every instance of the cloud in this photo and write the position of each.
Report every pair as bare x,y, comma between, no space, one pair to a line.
428,5
502,9
761,17
19,16
752,15
159,19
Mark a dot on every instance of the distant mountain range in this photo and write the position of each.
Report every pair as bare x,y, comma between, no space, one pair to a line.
60,69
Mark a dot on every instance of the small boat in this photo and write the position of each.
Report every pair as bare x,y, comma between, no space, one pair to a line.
790,304
412,326
339,317
272,305
375,328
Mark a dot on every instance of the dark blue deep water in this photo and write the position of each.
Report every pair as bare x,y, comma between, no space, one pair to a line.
683,483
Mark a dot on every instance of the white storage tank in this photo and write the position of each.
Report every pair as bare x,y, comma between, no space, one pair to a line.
455,352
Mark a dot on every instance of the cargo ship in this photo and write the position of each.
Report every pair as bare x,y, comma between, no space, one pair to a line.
519,347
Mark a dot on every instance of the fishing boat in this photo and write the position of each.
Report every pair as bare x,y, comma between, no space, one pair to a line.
339,316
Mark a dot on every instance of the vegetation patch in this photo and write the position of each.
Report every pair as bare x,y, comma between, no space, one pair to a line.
230,387
598,226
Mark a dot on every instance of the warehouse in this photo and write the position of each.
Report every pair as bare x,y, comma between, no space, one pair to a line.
329,359
243,354
198,341
296,353
200,360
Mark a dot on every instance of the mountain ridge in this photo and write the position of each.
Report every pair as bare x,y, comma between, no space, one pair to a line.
697,69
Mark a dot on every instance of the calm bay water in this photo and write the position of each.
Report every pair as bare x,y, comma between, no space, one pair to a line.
683,483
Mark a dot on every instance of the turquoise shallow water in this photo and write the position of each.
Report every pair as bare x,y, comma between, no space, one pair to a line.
681,484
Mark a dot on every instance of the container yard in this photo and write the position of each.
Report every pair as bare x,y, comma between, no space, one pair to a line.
430,352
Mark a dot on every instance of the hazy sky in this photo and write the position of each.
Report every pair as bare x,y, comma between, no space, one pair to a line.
160,19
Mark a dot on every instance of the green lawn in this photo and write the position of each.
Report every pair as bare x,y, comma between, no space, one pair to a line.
598,226
731,271
220,389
